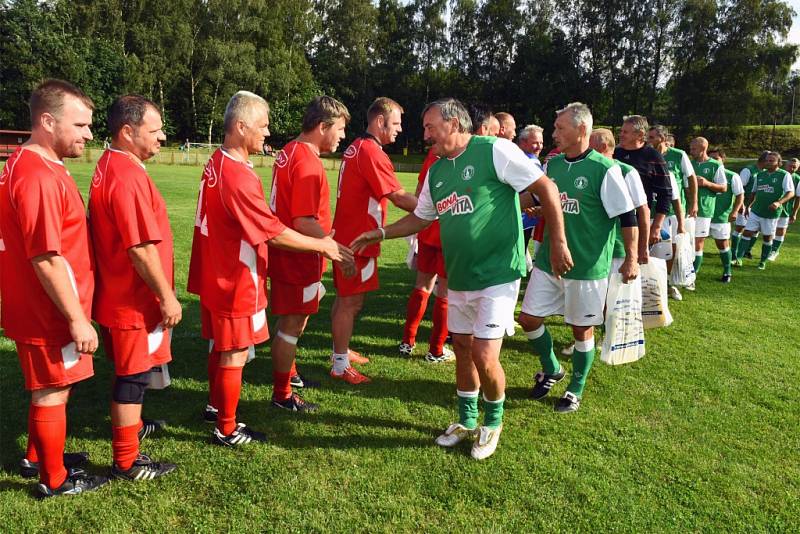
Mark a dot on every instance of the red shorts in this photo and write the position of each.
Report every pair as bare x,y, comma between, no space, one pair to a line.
233,333
365,279
289,299
53,366
430,260
136,351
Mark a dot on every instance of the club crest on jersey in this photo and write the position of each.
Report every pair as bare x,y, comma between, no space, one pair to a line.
570,205
581,182
350,152
282,159
468,172
456,205
210,174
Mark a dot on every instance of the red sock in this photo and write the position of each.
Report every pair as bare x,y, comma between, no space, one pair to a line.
125,445
282,389
439,331
293,370
213,364
415,310
49,433
31,455
227,388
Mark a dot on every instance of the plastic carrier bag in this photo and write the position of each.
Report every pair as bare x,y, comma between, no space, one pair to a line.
159,377
683,267
624,337
411,256
655,312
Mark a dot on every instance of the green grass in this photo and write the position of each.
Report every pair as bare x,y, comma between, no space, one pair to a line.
700,435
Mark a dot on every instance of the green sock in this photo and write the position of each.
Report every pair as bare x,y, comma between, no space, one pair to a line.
766,248
735,239
698,261
725,257
493,417
468,408
543,345
776,244
748,244
581,364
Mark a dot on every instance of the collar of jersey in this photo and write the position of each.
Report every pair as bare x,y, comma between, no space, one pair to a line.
127,155
225,153
579,157
367,135
57,162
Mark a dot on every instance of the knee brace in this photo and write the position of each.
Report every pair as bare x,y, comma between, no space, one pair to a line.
129,389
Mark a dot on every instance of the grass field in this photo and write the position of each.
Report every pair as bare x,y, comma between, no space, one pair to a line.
700,435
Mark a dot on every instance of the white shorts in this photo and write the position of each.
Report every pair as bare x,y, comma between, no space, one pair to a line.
670,225
760,224
485,313
581,302
783,222
702,227
616,263
721,230
741,220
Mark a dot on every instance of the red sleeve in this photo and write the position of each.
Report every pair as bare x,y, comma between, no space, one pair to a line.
430,159
132,210
244,201
306,186
40,209
377,168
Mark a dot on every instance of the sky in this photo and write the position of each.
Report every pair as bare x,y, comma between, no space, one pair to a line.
794,33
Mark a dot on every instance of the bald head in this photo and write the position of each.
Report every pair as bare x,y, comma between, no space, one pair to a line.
508,127
602,140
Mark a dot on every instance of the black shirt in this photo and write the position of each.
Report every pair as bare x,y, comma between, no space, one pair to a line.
652,169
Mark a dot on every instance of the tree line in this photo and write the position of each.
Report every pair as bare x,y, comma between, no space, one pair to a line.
683,62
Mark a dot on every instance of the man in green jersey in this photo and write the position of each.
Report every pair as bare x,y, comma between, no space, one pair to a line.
796,207
593,197
473,190
768,191
727,205
745,174
791,167
710,182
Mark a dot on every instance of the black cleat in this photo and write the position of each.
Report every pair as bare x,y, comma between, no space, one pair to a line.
241,436
143,468
726,279
543,383
150,426
748,255
210,414
568,403
30,469
295,403
77,482
300,381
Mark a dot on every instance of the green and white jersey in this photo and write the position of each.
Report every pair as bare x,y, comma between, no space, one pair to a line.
680,165
746,173
787,207
639,198
713,171
725,201
769,187
475,197
593,194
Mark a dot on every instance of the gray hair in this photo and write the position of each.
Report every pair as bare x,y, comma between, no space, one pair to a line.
580,114
450,108
526,132
639,123
242,107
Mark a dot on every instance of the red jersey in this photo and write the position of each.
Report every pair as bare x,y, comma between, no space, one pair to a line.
41,211
430,235
228,266
299,189
125,210
365,178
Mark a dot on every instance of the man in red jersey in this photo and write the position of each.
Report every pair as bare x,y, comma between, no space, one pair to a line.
300,198
430,273
366,183
47,279
134,300
228,265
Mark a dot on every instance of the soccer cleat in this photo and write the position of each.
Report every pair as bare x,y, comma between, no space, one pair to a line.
543,383
351,376
143,468
356,357
241,436
447,355
210,414
455,434
151,426
762,265
486,442
737,262
77,482
773,255
726,279
300,381
568,350
568,403
30,469
674,293
405,349
748,255
295,403
690,287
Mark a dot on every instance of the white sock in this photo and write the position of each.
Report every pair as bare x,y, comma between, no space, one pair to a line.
340,363
584,346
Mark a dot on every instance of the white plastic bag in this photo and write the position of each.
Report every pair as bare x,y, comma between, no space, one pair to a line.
683,267
159,377
655,312
411,256
624,338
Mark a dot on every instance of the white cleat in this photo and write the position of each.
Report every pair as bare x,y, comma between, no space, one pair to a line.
568,350
674,294
455,434
486,442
